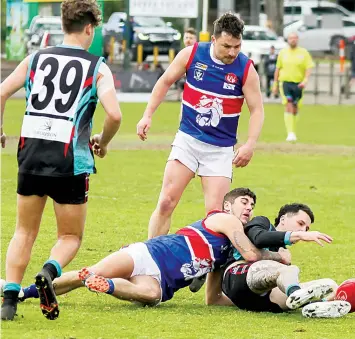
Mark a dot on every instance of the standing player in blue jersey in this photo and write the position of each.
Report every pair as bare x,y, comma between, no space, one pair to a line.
153,271
55,157
218,78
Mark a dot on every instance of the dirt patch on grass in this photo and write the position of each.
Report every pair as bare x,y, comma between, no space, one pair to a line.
287,148
299,148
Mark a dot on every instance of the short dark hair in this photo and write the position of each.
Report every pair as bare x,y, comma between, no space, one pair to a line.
229,23
239,192
294,208
76,14
190,30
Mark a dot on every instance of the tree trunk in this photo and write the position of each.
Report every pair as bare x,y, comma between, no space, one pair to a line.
274,9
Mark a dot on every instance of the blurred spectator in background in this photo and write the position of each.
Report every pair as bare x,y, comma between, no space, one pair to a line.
352,60
190,38
293,69
270,66
131,32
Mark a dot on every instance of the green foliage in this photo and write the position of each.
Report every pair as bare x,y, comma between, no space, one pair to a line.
3,20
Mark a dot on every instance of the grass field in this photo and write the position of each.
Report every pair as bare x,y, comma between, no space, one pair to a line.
319,171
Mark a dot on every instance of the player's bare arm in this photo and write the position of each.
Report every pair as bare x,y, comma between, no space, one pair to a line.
107,95
214,294
9,86
173,73
232,227
314,236
253,97
303,84
276,81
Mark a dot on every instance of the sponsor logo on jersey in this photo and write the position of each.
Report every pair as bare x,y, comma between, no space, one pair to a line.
47,126
218,67
228,86
201,66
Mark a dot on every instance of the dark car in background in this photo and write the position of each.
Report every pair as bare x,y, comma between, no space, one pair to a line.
148,31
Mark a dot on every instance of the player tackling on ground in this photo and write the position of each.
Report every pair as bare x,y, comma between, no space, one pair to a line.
141,272
239,203
268,286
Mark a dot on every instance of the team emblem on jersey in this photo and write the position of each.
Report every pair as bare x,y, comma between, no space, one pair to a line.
210,111
196,268
201,66
231,78
198,74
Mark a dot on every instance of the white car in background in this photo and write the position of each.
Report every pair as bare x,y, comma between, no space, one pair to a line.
52,39
39,25
320,39
297,9
257,42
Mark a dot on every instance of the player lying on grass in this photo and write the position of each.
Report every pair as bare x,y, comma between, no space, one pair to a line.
244,202
153,271
270,286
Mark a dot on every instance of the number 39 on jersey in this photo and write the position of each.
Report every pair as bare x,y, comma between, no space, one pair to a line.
54,98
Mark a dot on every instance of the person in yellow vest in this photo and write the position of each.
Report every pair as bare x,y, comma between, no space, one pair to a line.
293,68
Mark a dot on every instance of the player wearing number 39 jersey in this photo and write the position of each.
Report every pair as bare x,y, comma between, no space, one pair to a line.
55,153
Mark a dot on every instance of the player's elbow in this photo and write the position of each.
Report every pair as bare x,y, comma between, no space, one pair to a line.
4,94
258,242
211,300
115,116
166,82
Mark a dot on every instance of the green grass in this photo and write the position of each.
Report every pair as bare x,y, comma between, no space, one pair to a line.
124,193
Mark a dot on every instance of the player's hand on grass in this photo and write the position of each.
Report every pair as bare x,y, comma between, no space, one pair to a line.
316,237
285,255
143,127
99,149
3,140
243,155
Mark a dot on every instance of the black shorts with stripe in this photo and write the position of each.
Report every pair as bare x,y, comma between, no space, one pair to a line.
71,190
292,92
235,287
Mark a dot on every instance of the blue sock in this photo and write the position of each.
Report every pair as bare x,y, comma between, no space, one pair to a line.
30,292
12,287
56,264
112,286
292,288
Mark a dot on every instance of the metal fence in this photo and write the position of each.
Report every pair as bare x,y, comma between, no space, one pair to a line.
326,80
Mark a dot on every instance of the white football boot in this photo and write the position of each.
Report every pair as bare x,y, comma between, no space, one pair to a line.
327,309
303,296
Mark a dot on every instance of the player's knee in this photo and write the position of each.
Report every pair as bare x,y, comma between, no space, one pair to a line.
27,235
167,205
151,295
74,239
289,269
